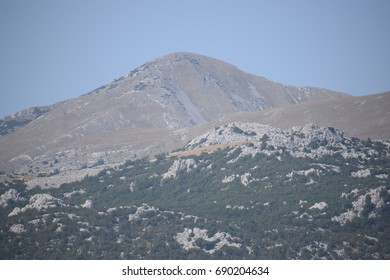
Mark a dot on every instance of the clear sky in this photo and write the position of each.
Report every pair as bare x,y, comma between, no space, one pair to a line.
54,50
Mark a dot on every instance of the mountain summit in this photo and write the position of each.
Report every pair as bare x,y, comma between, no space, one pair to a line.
139,114
185,89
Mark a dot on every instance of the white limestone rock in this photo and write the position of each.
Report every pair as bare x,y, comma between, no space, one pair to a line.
179,165
15,212
382,176
140,211
303,172
245,179
42,201
310,141
11,194
131,186
188,239
363,173
229,179
17,228
358,206
70,194
319,205
38,201
87,204
328,167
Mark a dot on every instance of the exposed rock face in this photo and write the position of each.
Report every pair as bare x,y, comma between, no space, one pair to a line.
19,119
188,239
246,179
229,179
302,172
359,116
57,180
319,205
258,133
141,210
309,141
361,173
11,194
88,204
38,202
18,228
179,165
70,194
358,205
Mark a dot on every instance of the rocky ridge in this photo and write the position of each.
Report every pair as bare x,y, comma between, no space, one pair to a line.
19,119
307,141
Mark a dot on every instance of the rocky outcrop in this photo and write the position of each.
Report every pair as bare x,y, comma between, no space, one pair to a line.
42,201
309,141
87,204
245,179
140,211
18,228
190,237
19,119
374,196
179,165
55,181
75,192
319,205
38,202
12,195
230,178
363,173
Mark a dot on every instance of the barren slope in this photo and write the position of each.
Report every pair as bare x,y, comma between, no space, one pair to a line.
137,114
362,116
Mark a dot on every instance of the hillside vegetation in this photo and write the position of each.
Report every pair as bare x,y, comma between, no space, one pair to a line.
261,193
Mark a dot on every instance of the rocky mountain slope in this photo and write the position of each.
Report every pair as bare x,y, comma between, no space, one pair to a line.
358,116
144,112
15,121
237,191
188,157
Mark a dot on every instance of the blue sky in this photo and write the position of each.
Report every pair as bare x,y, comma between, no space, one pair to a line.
55,50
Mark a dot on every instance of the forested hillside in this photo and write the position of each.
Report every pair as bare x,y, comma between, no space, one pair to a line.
240,191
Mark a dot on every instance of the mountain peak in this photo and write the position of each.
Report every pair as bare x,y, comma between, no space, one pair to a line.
184,57
176,91
190,89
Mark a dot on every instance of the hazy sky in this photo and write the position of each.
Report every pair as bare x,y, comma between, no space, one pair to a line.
55,50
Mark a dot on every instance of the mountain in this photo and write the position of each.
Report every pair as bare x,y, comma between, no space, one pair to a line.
147,111
358,116
237,191
188,157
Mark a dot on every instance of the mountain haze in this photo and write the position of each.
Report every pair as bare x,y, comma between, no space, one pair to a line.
144,112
